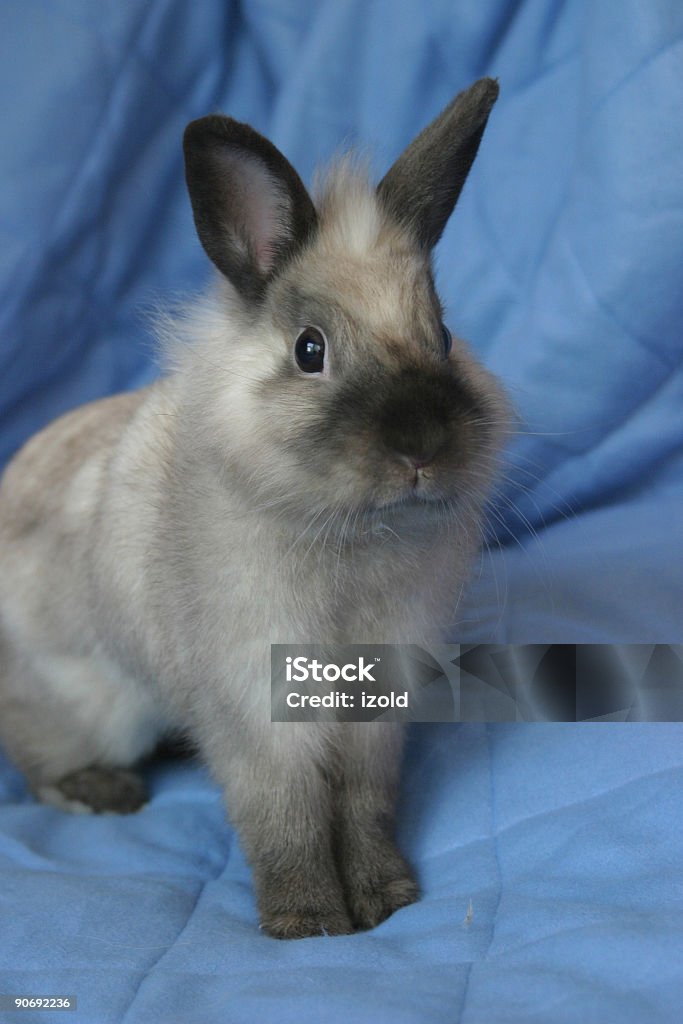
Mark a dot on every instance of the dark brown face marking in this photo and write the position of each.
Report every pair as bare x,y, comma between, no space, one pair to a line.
378,420
419,410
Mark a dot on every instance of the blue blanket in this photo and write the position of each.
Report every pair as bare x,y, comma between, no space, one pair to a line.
562,267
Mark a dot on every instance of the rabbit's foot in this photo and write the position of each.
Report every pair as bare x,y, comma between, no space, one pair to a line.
376,884
305,923
297,904
96,790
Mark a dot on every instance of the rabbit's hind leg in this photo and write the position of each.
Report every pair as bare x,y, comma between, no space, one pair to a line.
96,790
75,726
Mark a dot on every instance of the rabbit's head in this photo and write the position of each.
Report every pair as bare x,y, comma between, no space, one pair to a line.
324,376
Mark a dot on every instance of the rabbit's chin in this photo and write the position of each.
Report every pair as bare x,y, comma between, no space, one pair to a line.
419,492
416,508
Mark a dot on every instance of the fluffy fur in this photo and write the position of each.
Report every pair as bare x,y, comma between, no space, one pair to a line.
153,545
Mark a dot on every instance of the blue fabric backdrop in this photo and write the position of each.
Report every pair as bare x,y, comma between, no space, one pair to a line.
563,268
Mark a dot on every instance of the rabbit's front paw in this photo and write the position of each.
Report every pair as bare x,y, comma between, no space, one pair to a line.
301,924
377,885
297,904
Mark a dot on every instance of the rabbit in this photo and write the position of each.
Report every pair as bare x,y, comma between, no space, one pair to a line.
312,468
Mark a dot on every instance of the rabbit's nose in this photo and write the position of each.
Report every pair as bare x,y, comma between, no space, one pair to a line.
419,459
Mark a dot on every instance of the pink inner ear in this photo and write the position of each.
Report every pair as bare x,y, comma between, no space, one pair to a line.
259,212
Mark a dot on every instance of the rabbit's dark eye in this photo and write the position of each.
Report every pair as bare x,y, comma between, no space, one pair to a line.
446,340
309,350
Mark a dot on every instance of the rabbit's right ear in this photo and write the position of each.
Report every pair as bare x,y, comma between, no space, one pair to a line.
423,186
251,209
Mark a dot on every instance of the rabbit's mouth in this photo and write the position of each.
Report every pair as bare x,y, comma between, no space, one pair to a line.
418,490
421,479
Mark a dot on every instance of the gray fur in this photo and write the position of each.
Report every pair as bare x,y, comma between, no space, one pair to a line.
154,545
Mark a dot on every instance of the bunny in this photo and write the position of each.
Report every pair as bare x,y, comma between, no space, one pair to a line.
312,469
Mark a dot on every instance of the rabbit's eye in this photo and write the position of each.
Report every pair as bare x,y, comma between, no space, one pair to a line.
446,340
309,350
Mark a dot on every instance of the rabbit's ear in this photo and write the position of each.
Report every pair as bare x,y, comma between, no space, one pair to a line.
423,185
251,209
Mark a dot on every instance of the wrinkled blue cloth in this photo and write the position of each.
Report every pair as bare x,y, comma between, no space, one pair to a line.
563,268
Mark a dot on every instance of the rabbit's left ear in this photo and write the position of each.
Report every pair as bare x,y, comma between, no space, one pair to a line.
423,186
251,209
